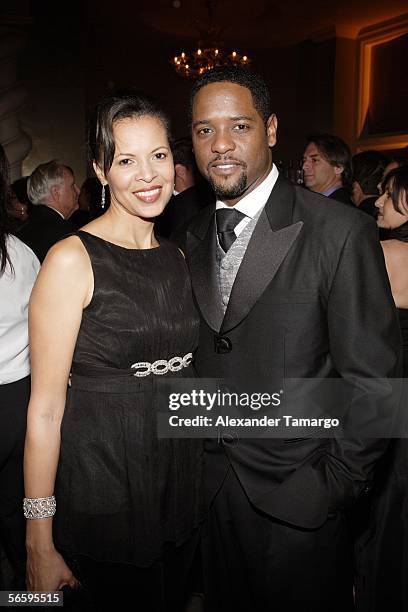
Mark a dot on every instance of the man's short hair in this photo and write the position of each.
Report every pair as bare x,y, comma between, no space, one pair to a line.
368,169
336,152
44,177
240,76
182,150
400,160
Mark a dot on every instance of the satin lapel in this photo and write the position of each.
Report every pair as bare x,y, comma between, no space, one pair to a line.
265,253
201,257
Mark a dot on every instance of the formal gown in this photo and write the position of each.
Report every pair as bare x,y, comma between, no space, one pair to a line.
382,553
122,493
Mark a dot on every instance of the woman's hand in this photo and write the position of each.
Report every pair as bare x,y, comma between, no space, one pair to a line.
47,571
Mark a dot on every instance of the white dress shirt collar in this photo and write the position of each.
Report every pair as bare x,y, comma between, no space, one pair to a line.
57,211
252,203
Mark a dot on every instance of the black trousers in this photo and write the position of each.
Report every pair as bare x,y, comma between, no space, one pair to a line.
14,398
164,586
254,563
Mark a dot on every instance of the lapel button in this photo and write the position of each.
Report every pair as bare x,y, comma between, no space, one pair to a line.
222,345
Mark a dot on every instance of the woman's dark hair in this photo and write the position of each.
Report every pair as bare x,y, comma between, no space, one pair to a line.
4,198
396,183
240,76
115,107
19,188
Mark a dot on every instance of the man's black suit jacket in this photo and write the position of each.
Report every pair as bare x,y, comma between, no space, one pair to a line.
181,209
341,195
311,300
43,229
368,206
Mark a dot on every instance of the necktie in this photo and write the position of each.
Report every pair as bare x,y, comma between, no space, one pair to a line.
227,220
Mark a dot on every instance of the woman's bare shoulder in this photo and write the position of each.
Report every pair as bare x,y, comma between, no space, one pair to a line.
67,253
395,250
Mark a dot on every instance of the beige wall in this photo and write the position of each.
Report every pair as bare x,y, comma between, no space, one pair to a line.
54,114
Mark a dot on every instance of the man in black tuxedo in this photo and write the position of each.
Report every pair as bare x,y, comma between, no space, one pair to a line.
191,193
52,190
181,209
304,295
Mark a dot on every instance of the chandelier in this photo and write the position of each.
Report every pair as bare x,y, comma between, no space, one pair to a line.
209,53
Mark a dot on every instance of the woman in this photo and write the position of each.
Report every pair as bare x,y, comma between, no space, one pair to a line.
18,270
382,581
393,220
17,210
111,301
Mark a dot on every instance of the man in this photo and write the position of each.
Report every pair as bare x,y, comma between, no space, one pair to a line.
52,190
184,165
327,167
368,169
280,296
395,162
190,195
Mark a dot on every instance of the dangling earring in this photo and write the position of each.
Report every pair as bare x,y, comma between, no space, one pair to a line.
103,198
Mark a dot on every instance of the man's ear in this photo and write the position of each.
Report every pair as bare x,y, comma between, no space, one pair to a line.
356,189
271,130
180,170
338,170
55,193
99,173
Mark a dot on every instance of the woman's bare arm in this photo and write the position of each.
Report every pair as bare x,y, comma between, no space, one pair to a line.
396,261
63,288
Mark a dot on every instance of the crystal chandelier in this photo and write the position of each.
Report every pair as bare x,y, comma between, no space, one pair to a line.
209,53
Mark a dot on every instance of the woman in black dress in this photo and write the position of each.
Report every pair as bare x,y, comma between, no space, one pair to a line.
109,303
382,581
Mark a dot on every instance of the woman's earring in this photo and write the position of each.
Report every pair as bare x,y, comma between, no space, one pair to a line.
103,198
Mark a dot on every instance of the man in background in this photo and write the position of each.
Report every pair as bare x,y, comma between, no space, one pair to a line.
327,167
368,169
184,165
190,194
52,190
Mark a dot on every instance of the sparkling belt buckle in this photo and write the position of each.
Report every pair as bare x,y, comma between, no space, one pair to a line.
162,366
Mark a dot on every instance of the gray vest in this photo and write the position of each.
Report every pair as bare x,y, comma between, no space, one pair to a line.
228,263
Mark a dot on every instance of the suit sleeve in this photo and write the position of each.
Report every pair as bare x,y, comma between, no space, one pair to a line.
365,346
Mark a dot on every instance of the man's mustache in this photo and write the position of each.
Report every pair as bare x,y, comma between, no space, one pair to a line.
225,160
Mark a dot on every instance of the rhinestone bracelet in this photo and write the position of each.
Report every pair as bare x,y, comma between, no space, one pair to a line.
39,507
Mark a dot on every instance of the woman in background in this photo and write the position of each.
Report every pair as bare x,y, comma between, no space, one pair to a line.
383,568
17,208
115,306
18,270
393,220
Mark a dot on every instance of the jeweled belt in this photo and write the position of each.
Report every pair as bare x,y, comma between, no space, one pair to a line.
162,366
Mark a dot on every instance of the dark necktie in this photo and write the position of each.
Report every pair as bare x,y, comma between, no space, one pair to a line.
227,220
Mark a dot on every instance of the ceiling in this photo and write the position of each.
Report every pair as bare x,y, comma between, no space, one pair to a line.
262,23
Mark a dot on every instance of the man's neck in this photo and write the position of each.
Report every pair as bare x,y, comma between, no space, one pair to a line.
366,196
53,208
181,185
329,188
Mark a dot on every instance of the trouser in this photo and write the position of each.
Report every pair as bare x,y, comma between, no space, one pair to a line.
14,399
164,586
254,563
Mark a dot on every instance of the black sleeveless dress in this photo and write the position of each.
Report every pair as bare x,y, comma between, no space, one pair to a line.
122,493
382,572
